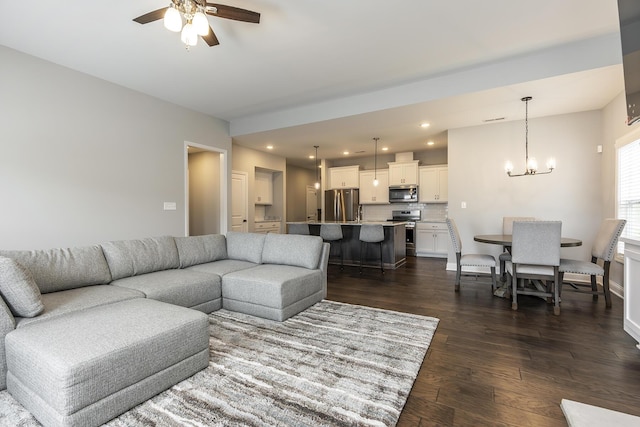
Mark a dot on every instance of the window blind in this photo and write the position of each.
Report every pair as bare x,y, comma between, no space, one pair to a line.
629,189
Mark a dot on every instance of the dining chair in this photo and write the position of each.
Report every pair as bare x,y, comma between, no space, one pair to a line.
604,249
535,255
507,228
469,260
300,228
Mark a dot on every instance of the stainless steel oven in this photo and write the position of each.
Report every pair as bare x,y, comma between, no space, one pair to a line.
410,217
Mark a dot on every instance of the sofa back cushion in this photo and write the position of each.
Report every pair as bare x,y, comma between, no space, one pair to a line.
61,269
292,249
245,246
128,258
19,290
193,250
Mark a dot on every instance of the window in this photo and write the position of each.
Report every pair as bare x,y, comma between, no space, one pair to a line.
628,179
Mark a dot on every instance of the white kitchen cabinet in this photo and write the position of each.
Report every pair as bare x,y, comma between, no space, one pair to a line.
403,173
267,227
370,194
434,184
432,239
264,188
344,177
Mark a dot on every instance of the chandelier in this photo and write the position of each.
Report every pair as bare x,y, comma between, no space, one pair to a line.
375,163
531,165
194,15
317,184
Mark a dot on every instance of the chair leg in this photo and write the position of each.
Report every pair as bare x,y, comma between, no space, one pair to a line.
361,255
493,279
503,271
605,284
556,293
594,288
381,264
514,292
560,282
458,271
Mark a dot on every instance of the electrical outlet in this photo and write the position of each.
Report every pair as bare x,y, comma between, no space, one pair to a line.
463,205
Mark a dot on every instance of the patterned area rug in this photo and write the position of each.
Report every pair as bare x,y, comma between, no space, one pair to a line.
333,364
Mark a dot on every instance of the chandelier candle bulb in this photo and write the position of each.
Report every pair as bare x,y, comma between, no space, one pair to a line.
200,23
172,20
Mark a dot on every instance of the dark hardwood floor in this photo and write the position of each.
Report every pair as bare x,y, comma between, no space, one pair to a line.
490,366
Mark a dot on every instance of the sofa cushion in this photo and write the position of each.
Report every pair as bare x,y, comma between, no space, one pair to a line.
62,269
271,285
222,267
186,288
193,250
133,257
245,246
64,302
292,249
18,289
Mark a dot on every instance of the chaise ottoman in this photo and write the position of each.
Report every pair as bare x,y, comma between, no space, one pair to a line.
89,366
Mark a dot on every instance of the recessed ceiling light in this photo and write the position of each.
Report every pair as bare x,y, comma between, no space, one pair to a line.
430,143
385,148
425,125
345,153
269,147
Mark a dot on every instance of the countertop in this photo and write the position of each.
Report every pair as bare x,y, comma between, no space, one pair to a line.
383,223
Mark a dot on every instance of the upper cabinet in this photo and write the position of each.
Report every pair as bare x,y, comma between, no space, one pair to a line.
434,184
403,173
370,194
344,177
264,188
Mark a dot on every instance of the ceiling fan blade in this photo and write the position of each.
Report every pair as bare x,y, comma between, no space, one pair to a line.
211,38
151,16
235,13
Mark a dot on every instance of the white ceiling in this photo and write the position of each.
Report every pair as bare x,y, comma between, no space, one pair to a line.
336,73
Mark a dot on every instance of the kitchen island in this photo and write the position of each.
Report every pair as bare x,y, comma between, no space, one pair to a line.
393,247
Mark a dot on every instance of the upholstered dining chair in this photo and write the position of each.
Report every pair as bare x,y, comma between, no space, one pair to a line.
332,233
470,260
300,228
604,249
507,228
535,255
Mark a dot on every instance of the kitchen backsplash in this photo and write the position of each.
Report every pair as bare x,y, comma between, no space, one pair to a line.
430,211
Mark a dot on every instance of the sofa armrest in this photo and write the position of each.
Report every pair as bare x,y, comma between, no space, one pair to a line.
7,324
324,265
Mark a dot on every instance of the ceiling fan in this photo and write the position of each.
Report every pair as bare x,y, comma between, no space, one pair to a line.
193,12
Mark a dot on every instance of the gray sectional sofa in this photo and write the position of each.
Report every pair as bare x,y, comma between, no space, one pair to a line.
87,333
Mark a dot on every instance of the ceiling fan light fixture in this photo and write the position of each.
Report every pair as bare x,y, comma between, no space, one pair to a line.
200,23
172,19
189,36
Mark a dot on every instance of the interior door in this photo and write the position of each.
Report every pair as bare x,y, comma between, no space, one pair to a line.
312,203
239,202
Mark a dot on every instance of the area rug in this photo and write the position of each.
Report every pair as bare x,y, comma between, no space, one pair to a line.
333,364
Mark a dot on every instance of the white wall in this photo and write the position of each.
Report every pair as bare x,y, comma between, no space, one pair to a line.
572,193
84,161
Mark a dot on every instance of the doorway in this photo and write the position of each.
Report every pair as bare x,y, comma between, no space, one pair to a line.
239,201
205,190
312,203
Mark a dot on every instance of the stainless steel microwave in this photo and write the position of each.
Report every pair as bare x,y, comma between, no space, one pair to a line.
403,194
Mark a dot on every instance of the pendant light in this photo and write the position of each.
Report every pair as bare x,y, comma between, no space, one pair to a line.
531,165
317,184
375,163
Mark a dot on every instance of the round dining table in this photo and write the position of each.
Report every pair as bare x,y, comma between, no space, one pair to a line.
506,239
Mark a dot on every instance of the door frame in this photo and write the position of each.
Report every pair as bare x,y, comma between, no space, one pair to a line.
224,182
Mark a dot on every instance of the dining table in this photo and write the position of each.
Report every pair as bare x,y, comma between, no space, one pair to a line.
505,240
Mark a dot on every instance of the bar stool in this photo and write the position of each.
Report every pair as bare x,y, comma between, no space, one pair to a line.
333,233
302,228
371,233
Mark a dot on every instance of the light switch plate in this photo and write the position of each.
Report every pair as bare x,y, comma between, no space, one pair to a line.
463,205
170,206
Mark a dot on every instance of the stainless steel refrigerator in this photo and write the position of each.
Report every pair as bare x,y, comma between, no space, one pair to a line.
341,205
